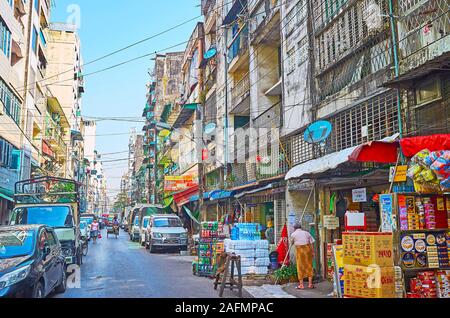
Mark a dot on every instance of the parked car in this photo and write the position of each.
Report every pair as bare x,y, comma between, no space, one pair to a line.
134,233
165,231
143,230
31,262
124,224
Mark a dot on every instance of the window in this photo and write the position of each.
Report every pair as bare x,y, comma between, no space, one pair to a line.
290,22
34,41
291,60
6,150
302,11
10,101
5,39
302,51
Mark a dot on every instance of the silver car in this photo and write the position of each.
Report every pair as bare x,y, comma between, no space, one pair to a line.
165,231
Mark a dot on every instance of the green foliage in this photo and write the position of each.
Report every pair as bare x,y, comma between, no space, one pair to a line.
285,273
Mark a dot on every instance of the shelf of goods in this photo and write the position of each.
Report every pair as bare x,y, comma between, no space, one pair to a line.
423,242
210,245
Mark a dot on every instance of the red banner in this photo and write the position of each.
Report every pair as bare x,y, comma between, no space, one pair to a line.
283,247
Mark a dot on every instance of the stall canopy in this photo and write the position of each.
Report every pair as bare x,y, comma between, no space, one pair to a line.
376,151
320,165
182,197
382,151
221,195
242,194
411,146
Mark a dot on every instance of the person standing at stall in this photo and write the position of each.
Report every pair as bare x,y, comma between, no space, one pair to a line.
304,246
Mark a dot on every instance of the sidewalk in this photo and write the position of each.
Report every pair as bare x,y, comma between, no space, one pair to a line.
322,290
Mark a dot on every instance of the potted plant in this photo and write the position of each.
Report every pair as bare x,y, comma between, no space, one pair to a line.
287,274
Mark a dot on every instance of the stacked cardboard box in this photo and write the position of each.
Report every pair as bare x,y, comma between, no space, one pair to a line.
368,265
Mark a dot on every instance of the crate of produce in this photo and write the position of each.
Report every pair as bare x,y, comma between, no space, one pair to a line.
367,248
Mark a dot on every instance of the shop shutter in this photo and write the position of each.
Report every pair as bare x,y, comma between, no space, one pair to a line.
280,218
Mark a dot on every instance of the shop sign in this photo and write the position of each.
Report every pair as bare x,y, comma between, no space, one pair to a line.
386,208
306,185
400,174
359,195
178,183
330,222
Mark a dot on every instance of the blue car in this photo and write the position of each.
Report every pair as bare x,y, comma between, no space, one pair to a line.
31,262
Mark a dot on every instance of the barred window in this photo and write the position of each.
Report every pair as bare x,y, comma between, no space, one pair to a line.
10,101
302,50
291,60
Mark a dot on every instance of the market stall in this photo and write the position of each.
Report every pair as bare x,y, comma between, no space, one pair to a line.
211,244
418,215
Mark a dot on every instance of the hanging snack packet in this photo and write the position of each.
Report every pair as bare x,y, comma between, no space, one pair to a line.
420,157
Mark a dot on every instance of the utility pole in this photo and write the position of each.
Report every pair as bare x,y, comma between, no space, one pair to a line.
199,119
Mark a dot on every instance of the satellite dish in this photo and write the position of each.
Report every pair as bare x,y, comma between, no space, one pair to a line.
210,53
318,132
210,128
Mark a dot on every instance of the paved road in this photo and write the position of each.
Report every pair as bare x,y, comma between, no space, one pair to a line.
118,268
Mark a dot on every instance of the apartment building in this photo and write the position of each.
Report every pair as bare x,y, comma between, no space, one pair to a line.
65,80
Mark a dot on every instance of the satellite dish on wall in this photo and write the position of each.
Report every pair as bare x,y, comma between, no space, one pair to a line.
210,53
210,128
318,132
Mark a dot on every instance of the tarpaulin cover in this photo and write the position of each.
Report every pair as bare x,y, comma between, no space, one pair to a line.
376,151
411,146
192,215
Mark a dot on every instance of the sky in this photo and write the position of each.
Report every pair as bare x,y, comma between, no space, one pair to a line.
109,25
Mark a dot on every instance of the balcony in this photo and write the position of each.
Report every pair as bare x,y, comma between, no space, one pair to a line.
265,22
240,97
238,48
53,136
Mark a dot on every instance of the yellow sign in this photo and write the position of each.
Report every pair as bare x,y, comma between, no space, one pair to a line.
400,174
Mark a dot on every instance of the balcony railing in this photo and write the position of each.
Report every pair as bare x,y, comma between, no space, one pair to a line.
53,135
240,91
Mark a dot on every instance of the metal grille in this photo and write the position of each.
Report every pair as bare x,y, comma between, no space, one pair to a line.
422,23
349,72
210,109
280,218
371,120
298,150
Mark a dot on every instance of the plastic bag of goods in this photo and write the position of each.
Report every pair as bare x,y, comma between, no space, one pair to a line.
245,253
414,170
262,252
441,167
262,244
262,262
229,244
247,261
420,157
432,157
261,270
244,245
245,270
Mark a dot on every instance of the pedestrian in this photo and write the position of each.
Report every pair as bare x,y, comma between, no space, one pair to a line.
304,245
94,230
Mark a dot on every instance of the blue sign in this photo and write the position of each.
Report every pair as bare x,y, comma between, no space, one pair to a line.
318,132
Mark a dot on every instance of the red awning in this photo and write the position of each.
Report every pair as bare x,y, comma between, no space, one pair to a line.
181,198
376,151
411,146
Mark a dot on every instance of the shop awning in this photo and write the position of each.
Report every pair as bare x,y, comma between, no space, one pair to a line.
206,196
181,198
243,194
376,151
221,195
411,146
4,196
320,165
191,215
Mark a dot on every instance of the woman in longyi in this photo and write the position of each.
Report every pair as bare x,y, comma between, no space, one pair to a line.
304,249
